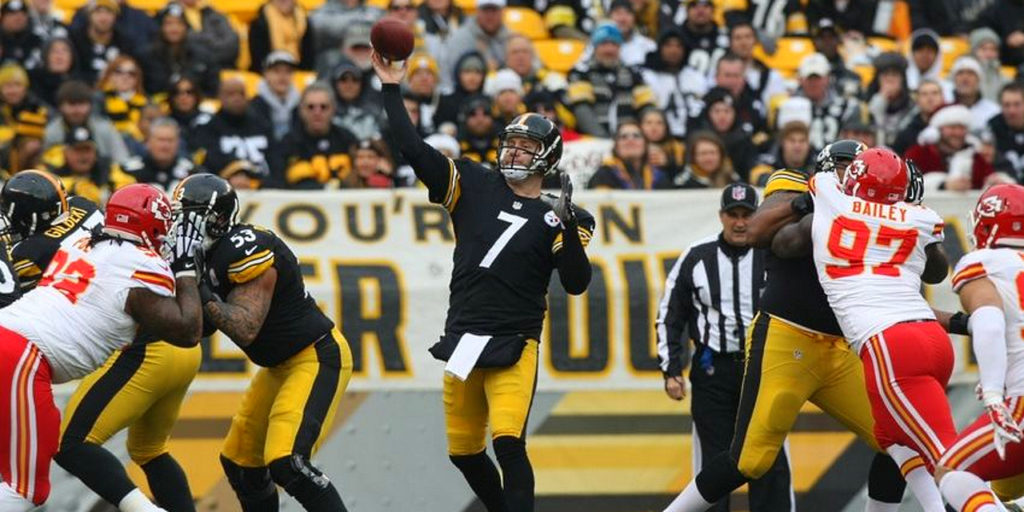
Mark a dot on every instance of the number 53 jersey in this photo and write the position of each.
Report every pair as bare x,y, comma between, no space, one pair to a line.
506,248
870,257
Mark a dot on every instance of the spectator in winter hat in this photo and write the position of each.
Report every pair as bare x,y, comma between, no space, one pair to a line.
966,77
506,88
925,57
635,45
928,100
890,101
985,47
946,152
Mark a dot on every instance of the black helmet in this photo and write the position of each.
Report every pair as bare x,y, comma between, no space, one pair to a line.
915,183
845,149
31,201
211,194
539,128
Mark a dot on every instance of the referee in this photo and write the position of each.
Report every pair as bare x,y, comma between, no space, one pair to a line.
711,296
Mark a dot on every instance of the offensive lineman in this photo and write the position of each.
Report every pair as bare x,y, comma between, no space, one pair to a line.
509,238
90,301
989,283
794,317
252,291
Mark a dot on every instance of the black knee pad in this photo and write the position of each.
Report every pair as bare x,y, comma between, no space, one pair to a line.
294,470
509,449
249,483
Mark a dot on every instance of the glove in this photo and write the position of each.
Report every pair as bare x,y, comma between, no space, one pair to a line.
1005,429
563,207
188,239
802,204
958,323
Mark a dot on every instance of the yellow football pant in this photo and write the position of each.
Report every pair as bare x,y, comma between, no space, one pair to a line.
141,388
288,407
501,396
787,366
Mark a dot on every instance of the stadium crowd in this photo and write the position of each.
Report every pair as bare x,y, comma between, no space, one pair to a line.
692,94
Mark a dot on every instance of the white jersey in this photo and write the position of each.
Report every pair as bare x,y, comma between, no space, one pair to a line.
76,315
870,257
1004,267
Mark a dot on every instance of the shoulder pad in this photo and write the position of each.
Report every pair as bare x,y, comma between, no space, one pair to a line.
244,253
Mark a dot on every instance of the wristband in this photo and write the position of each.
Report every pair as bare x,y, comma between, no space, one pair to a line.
958,323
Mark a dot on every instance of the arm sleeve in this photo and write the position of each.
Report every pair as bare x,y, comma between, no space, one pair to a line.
672,323
988,336
435,170
573,265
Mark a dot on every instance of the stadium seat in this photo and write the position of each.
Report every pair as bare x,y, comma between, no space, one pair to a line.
150,6
866,72
952,47
526,22
310,5
467,6
559,54
250,79
70,5
884,44
789,52
244,10
1009,72
303,78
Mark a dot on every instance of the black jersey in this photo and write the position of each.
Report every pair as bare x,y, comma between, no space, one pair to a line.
506,249
32,255
293,321
10,291
792,291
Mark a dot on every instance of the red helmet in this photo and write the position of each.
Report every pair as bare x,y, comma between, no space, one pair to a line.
141,213
998,218
877,175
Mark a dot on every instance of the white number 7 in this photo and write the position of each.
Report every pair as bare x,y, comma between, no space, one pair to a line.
515,224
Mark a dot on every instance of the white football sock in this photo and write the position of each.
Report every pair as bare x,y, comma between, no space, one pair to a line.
919,480
961,488
690,500
135,501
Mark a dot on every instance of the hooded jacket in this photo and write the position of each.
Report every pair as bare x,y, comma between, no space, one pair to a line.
915,75
450,104
677,89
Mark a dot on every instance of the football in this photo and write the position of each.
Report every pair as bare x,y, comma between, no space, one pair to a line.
392,38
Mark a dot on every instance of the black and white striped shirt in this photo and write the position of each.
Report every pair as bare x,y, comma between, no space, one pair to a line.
711,295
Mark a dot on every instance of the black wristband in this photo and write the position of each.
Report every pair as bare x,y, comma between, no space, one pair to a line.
802,204
958,323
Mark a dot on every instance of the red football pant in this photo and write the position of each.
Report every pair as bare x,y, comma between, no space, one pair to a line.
974,449
29,420
907,367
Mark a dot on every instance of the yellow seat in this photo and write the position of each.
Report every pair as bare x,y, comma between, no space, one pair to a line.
250,79
309,5
559,54
884,44
1009,72
150,6
244,10
70,5
302,79
789,52
380,4
526,22
467,6
952,47
866,72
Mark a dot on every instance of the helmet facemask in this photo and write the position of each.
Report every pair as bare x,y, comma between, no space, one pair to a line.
516,172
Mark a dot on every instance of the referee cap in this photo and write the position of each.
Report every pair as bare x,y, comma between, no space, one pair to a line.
739,195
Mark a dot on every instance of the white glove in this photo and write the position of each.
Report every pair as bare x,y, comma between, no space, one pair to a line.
189,230
1005,429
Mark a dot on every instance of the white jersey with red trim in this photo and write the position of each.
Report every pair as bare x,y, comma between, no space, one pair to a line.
1005,269
76,315
870,257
